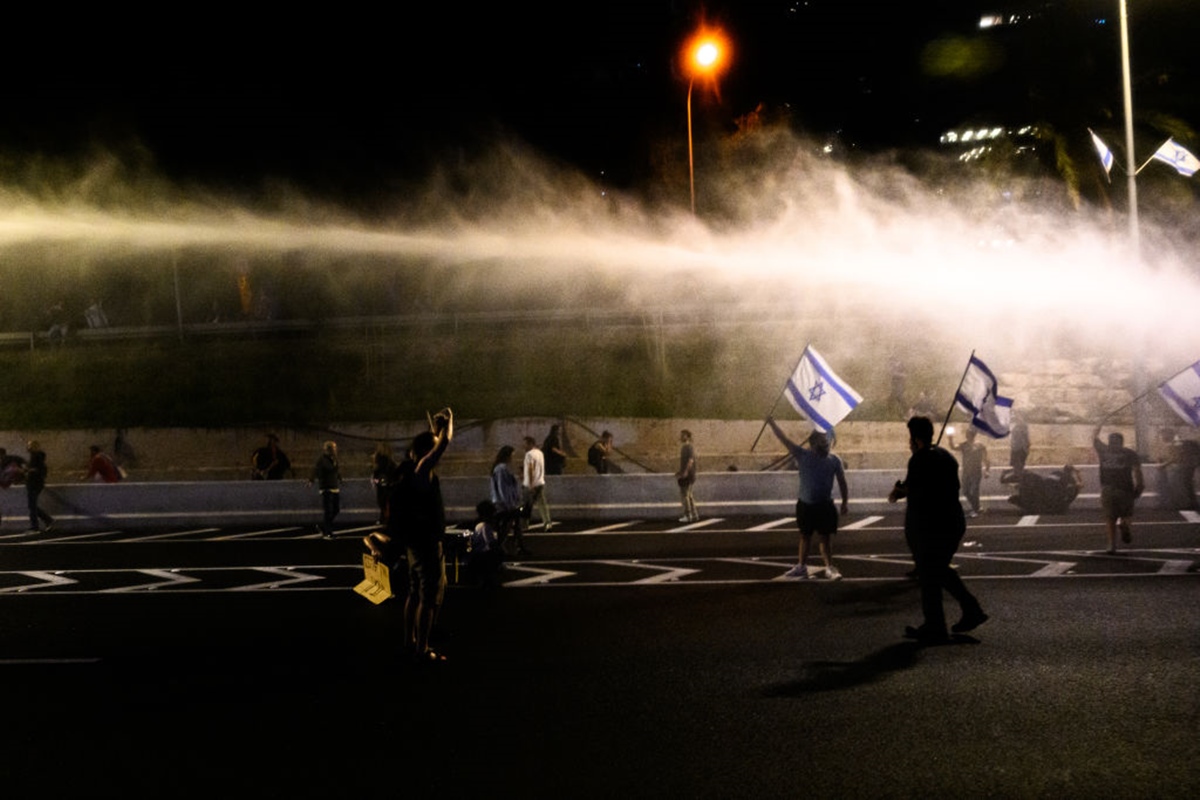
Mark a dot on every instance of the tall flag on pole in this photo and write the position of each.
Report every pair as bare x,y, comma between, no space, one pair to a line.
979,395
818,393
1106,156
1182,393
1178,157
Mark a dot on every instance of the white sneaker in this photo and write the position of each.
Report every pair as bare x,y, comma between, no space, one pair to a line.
832,574
800,572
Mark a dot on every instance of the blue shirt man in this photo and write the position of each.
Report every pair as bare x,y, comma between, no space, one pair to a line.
815,510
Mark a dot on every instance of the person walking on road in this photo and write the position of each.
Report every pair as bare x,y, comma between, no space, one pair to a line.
815,510
35,481
975,465
328,479
506,496
533,472
686,477
933,527
1120,485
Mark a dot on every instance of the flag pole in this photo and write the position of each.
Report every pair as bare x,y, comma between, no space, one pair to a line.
1146,393
946,421
779,396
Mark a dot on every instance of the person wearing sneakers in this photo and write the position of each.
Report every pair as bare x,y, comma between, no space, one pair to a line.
686,476
933,528
1120,485
815,510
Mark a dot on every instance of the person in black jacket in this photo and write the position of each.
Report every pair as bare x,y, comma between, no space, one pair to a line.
933,527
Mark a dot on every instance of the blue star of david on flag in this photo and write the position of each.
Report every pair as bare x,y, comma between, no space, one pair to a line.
827,399
1178,157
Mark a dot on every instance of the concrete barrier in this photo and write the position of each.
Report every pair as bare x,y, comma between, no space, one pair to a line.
133,505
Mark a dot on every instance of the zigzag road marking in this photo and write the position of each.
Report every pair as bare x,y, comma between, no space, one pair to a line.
78,538
292,575
173,535
540,576
169,578
44,579
253,534
667,575
1048,570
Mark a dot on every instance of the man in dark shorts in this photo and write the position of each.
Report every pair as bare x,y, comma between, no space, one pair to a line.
815,510
416,521
1120,485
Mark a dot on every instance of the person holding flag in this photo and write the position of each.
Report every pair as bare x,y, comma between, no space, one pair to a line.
815,511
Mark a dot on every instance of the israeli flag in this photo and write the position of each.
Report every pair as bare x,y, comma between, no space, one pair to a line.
1182,394
979,396
1178,157
1106,156
818,393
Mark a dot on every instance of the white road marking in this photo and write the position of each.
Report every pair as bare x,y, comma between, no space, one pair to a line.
1190,516
704,523
540,575
169,578
766,526
1027,521
45,579
616,526
291,575
252,534
78,538
666,573
174,535
862,523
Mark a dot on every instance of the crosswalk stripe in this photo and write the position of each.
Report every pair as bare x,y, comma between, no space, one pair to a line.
1027,521
766,526
695,525
862,523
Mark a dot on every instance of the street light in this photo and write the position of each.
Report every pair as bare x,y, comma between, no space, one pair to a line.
705,56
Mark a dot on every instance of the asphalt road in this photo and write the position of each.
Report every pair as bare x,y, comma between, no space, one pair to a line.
622,659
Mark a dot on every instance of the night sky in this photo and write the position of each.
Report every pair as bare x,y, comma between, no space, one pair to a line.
344,100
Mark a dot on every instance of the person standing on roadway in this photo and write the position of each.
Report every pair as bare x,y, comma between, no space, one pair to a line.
1120,485
686,477
35,481
417,519
533,472
328,479
815,510
933,527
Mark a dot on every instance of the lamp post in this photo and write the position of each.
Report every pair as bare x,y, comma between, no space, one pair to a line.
705,56
1141,425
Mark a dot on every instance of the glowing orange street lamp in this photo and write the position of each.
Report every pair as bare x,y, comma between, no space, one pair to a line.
705,57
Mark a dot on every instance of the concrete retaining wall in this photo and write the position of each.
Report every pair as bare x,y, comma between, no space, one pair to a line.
133,505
